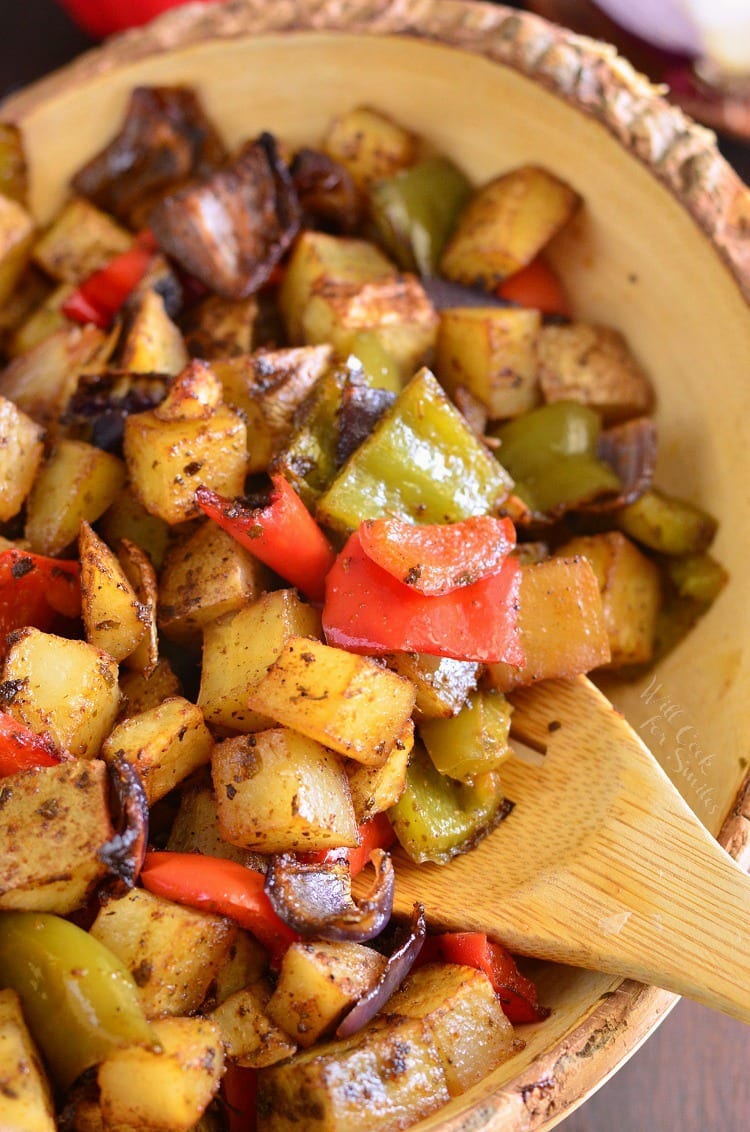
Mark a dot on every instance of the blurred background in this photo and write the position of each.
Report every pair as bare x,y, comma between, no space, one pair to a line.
692,1075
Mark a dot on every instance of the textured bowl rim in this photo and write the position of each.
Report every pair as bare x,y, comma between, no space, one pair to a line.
683,156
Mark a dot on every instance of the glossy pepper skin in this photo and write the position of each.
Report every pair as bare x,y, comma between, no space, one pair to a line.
80,1001
367,610
99,298
21,748
35,590
283,534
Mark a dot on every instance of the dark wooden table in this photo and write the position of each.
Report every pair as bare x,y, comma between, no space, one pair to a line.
693,1074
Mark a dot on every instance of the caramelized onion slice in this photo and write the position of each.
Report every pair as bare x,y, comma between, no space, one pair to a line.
395,971
316,899
630,450
124,853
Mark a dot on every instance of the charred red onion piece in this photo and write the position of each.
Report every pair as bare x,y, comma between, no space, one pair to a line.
123,854
316,899
630,450
395,971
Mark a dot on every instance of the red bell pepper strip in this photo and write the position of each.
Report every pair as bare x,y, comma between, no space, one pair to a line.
239,1088
518,994
367,610
213,884
21,748
538,287
35,590
99,298
435,558
283,534
377,833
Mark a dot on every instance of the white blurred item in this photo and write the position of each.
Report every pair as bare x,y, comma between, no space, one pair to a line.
716,31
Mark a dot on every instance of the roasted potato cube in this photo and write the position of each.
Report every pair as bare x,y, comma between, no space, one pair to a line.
442,683
563,630
506,224
16,237
375,789
42,381
320,262
172,952
165,744
126,518
80,241
188,440
239,648
345,701
204,577
141,691
491,352
667,524
153,344
220,328
20,456
630,587
166,1090
77,482
249,1035
43,319
277,792
370,145
67,689
195,828
318,982
268,387
25,1099
395,310
593,365
386,1077
464,1015
139,571
61,814
245,964
112,615
14,180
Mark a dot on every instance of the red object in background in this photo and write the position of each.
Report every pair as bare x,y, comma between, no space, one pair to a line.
100,18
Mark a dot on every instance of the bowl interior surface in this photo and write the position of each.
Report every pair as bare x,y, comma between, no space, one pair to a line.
634,259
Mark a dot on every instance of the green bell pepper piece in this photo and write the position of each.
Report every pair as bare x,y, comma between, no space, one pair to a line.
78,998
422,463
308,459
667,524
551,454
472,742
378,366
437,818
415,211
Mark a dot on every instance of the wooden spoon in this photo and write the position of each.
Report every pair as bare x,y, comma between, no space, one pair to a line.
601,864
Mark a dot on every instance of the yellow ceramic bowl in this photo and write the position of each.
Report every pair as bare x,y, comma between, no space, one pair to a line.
661,250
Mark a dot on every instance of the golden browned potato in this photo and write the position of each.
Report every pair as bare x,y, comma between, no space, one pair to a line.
195,828
593,365
80,241
318,982
20,456
491,352
25,1097
78,482
563,630
166,743
61,814
67,689
249,1035
43,319
140,572
220,328
375,789
278,791
238,649
16,237
113,617
347,702
166,1089
370,145
172,951
190,439
126,518
141,691
153,344
630,586
205,576
442,683
42,381
506,224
